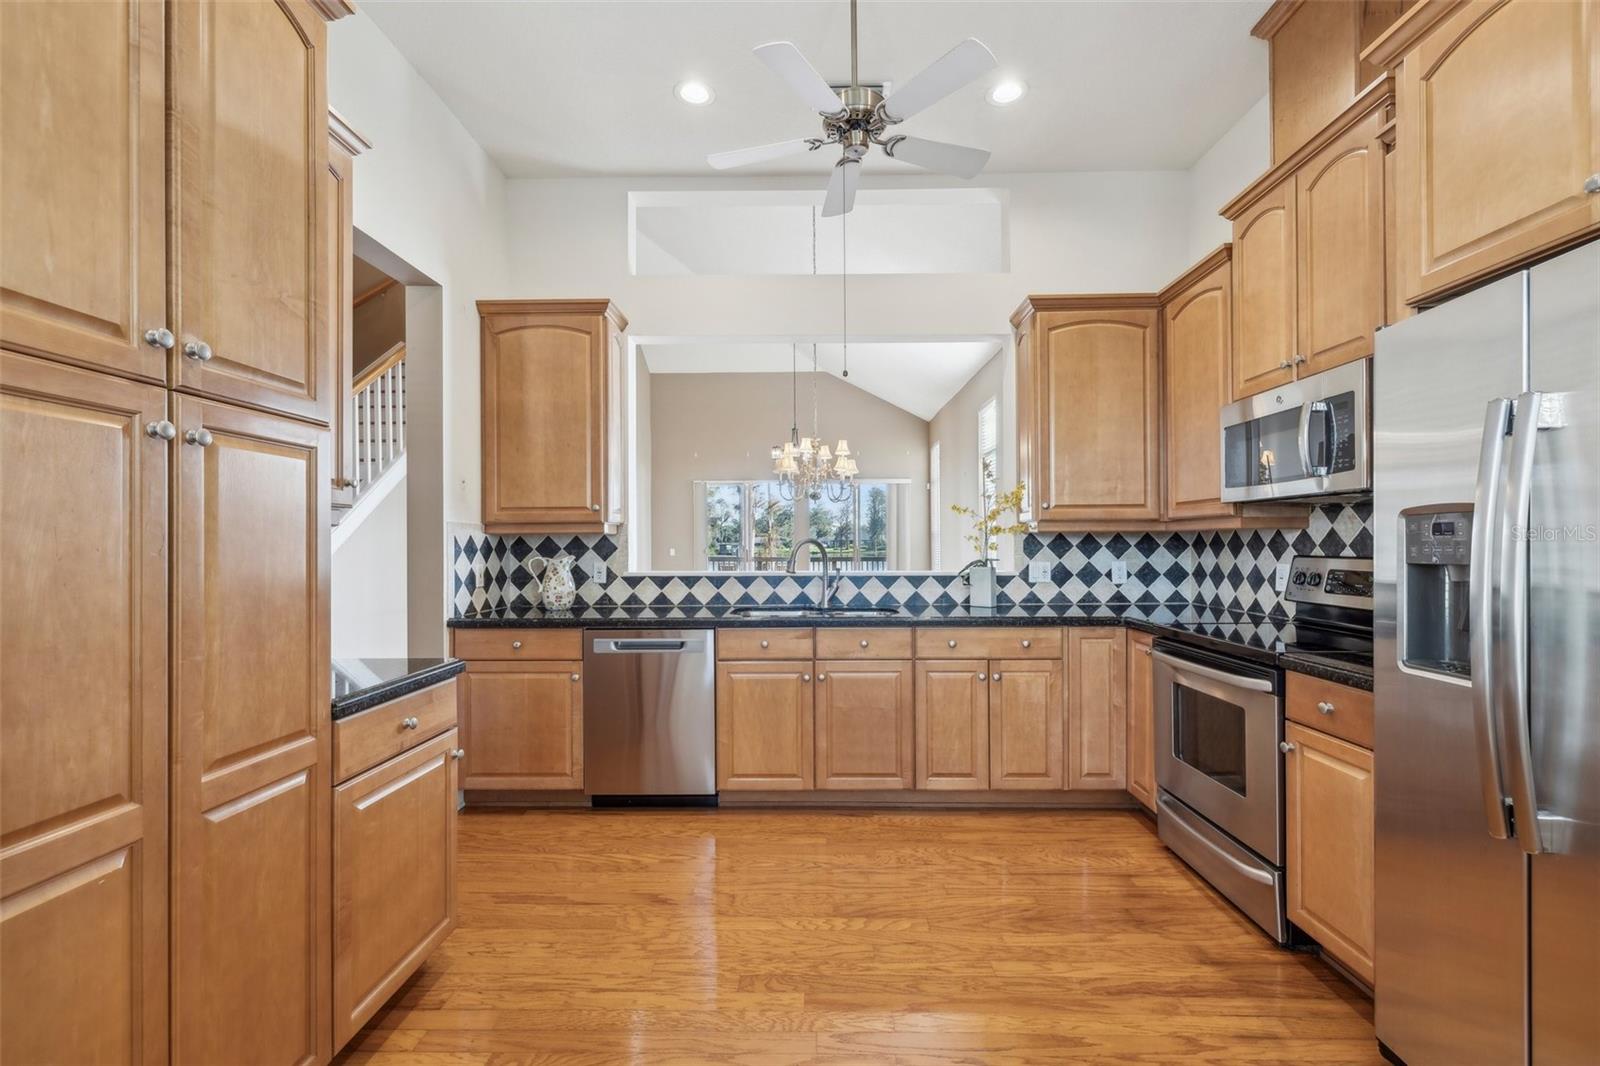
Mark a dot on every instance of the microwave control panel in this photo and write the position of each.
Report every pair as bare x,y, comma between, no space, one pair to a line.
1439,538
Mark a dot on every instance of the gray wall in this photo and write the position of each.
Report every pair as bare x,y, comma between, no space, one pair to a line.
955,429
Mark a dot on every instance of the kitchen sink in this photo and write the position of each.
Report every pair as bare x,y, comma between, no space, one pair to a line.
808,611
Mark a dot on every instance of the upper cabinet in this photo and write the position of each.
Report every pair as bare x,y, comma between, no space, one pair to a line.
552,415
1498,136
1090,409
250,160
1197,329
83,185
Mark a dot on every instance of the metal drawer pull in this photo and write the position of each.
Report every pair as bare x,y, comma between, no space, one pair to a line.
458,753
1286,746
1325,707
201,437
410,723
199,350
1027,644
516,645
160,338
1592,184
951,643
764,644
163,429
575,677
863,644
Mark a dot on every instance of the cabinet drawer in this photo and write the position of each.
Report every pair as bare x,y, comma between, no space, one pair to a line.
763,643
366,739
1351,715
864,643
515,644
961,642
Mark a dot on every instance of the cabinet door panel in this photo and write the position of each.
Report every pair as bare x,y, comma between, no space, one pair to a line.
1329,815
83,183
1099,378
1339,265
1197,360
1498,109
864,724
765,723
251,122
1141,721
1025,724
522,725
251,752
952,727
1264,293
394,841
83,715
1096,708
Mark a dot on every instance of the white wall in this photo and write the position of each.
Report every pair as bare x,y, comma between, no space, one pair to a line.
1239,157
955,430
368,590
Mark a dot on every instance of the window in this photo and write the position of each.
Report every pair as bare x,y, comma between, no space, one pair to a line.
935,510
748,525
988,454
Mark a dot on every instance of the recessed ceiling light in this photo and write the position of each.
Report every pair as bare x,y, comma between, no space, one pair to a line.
695,92
1007,92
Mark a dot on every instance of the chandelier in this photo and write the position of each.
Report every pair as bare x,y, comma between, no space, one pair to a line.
805,466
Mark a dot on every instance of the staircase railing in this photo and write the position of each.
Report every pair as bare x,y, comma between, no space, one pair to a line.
380,414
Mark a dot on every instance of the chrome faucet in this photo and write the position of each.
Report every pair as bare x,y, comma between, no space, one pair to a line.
829,579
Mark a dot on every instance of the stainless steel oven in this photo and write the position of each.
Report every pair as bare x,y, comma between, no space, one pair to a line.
1311,437
1219,721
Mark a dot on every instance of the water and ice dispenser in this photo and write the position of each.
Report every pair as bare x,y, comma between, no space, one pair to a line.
1438,551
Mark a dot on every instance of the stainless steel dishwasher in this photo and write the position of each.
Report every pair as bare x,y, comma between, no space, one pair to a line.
650,714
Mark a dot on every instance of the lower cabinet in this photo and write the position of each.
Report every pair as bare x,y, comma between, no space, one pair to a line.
952,724
1329,830
1141,721
765,726
522,725
1097,708
1025,724
864,724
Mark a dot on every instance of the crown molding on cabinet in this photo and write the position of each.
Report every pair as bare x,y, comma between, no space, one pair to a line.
1082,302
1393,43
1213,259
345,134
1273,18
334,10
555,307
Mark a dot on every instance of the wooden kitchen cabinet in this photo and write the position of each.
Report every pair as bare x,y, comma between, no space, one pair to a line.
765,726
83,177
551,415
251,730
394,847
522,725
1097,707
1092,411
1197,362
864,714
344,144
83,714
952,724
1498,136
1264,292
1328,813
1025,724
1141,720
250,136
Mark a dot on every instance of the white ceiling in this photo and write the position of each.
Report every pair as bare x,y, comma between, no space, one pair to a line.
585,87
919,377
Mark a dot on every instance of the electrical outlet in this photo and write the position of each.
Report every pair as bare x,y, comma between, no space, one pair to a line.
600,573
1280,578
1119,572
1039,571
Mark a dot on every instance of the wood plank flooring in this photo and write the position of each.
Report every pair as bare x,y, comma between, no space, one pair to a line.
776,937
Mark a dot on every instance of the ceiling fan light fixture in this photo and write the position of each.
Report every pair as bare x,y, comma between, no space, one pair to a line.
697,93
1007,92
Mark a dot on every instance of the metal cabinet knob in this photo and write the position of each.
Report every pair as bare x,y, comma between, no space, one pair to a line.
160,338
764,644
198,350
997,676
1592,185
594,507
163,429
201,437
1325,707
805,677
410,723
1286,746
1027,644
863,644
516,645
575,677
458,753
1045,506
1144,649
1298,358
822,677
1285,365
983,677
951,643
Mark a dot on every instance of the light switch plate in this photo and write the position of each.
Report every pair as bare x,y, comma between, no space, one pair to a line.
1280,578
1119,572
1038,571
599,573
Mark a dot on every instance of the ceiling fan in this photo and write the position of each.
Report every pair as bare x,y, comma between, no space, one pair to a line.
858,116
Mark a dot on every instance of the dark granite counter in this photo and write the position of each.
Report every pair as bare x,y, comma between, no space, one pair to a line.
1250,636
361,684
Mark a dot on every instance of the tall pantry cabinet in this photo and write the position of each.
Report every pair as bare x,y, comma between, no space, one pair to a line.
165,393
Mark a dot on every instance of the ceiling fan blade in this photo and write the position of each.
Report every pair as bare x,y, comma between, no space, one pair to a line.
785,60
942,77
956,159
761,153
842,188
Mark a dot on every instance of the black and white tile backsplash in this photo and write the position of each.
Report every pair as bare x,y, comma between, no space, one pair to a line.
1228,570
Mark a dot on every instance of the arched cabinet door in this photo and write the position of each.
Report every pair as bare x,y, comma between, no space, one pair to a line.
1264,292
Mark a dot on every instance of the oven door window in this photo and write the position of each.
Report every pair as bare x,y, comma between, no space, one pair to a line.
1209,736
1263,451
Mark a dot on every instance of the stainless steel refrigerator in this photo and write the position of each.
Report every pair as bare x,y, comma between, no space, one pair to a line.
1486,482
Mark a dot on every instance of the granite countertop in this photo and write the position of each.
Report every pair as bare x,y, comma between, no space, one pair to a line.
361,684
1232,632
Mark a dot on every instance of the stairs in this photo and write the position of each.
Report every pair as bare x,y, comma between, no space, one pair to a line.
378,407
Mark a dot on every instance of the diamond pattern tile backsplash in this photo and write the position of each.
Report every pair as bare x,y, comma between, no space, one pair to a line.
1231,570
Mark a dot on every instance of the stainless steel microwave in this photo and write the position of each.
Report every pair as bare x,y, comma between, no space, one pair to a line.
1312,437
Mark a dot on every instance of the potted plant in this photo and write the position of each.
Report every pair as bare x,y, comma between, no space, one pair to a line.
988,526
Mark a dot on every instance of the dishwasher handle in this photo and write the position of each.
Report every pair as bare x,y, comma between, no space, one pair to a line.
643,644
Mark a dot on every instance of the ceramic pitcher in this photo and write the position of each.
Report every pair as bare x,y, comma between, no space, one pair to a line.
559,589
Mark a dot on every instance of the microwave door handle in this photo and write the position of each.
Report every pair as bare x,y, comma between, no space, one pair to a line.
1483,575
1303,438
1511,623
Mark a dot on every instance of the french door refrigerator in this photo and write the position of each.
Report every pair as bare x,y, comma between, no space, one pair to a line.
1486,480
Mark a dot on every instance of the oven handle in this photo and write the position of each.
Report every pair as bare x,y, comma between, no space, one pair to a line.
1255,684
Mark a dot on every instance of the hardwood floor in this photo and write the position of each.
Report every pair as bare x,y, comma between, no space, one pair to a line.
767,937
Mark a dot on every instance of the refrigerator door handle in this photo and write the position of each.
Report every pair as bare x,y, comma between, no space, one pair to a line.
1511,623
1481,604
